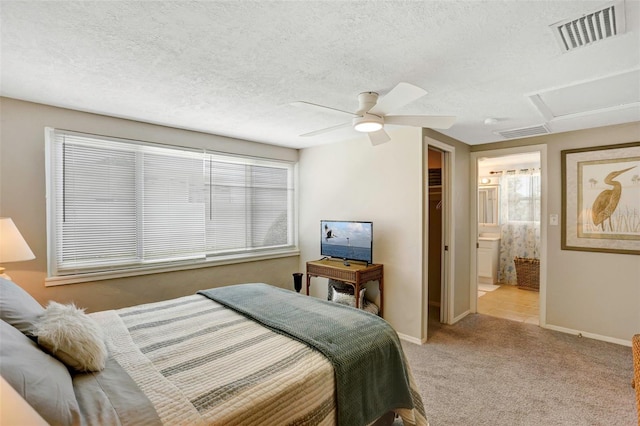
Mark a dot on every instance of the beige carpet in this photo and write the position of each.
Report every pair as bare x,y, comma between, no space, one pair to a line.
491,371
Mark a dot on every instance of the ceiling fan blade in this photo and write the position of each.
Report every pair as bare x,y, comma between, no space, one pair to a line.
326,130
399,96
378,137
429,121
303,103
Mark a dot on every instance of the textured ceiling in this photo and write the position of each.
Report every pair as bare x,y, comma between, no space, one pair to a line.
233,68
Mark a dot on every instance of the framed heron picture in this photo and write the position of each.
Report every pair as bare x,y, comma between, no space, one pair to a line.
601,199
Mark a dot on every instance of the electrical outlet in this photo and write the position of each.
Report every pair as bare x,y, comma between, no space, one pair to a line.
553,219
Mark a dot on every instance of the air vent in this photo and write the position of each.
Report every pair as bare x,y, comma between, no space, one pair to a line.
524,132
590,28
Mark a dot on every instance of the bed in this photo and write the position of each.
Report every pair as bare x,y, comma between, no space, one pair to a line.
248,354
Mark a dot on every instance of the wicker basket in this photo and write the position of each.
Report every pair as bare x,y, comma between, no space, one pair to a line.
528,273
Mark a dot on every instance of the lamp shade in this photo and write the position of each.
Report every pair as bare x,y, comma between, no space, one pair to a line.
13,248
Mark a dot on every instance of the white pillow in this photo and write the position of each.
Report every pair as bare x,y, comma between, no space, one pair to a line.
73,337
348,299
343,298
43,381
18,308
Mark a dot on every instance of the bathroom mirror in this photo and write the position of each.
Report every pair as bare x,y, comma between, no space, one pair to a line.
488,205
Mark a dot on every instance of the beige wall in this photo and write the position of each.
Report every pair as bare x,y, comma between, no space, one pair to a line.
596,294
22,197
355,181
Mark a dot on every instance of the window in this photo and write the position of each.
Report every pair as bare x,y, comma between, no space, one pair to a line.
119,205
520,197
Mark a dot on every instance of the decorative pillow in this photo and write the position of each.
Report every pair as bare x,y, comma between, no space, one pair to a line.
348,299
72,336
342,287
17,307
343,298
43,381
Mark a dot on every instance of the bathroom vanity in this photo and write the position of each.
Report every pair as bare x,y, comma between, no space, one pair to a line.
488,258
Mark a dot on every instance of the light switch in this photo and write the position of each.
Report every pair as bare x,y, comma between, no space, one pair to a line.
553,220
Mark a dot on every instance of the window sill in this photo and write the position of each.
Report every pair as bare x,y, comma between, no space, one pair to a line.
204,263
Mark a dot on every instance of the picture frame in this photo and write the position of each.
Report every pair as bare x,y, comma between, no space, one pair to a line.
601,199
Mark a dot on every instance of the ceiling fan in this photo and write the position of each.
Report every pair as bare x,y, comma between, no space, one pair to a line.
372,114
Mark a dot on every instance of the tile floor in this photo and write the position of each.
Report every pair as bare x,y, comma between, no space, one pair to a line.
510,302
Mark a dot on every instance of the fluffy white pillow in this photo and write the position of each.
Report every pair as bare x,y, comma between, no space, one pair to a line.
344,298
348,299
73,337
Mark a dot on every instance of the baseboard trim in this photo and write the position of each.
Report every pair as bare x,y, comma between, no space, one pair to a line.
412,339
589,335
459,317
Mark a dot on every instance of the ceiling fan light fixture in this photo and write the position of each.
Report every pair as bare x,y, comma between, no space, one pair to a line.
368,123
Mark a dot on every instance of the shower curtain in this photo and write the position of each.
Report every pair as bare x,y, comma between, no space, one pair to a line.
519,218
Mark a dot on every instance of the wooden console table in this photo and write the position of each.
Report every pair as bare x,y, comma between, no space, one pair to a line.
355,274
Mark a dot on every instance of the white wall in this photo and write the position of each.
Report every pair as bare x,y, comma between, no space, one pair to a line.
354,180
22,197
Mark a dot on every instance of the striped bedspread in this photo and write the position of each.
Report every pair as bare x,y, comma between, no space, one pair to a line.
203,364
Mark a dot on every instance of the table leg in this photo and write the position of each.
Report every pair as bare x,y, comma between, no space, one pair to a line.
381,289
308,283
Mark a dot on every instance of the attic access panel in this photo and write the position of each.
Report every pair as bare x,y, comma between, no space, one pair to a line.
613,92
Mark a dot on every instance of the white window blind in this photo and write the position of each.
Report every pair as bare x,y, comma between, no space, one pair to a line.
115,204
173,205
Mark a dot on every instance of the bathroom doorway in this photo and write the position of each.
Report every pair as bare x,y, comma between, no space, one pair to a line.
509,226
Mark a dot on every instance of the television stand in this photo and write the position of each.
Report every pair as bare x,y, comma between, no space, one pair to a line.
355,275
346,262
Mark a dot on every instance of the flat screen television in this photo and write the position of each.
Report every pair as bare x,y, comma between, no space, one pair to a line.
348,240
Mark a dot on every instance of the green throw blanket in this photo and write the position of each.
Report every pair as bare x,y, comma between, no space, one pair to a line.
370,374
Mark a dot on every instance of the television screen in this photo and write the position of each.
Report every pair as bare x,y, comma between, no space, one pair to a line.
347,240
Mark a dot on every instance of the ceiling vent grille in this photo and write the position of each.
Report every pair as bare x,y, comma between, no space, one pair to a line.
524,132
590,28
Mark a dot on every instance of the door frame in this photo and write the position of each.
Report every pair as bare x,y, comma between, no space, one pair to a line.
448,234
473,237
